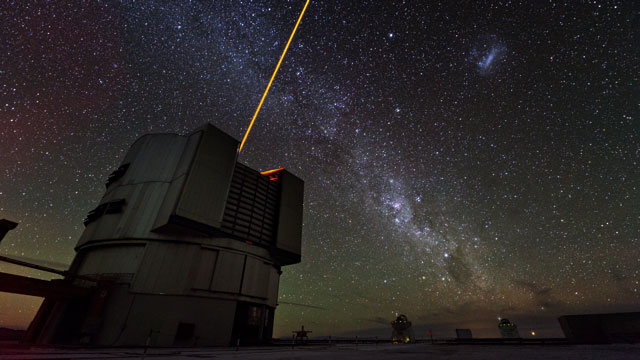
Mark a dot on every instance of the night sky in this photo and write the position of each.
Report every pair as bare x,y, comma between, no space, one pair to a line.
463,160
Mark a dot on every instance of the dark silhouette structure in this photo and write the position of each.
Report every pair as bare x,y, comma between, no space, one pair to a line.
602,328
5,226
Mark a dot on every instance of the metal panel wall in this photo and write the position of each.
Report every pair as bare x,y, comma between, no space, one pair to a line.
166,268
159,316
152,162
289,233
274,283
141,209
177,182
256,278
112,260
203,272
204,195
153,158
228,272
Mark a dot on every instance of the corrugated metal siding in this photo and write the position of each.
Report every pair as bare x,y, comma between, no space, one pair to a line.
252,206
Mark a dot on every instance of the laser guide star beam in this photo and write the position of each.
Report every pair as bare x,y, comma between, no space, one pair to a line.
255,115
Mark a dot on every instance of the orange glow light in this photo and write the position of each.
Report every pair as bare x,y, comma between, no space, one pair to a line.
272,77
272,174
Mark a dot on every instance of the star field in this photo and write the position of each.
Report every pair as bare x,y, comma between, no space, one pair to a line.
463,161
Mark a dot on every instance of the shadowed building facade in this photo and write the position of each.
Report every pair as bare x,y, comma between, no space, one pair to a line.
186,246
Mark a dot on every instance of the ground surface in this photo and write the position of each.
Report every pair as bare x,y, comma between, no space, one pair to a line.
351,351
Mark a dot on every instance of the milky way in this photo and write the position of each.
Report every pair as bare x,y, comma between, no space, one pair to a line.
462,162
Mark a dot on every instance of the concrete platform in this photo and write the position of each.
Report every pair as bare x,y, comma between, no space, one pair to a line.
341,351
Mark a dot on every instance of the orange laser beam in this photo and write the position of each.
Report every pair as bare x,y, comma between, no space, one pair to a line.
272,77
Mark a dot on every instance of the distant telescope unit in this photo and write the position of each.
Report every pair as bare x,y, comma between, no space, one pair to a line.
508,330
402,331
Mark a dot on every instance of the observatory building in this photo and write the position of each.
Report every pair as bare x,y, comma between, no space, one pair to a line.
508,330
184,249
402,331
